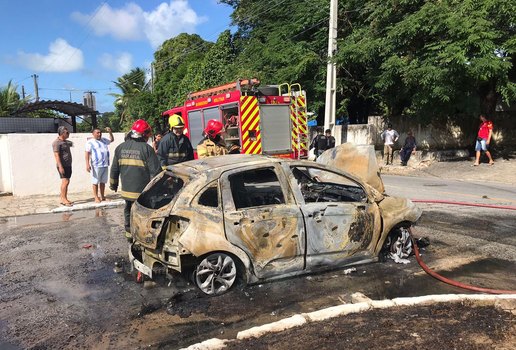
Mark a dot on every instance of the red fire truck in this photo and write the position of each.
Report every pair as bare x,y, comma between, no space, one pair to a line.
258,120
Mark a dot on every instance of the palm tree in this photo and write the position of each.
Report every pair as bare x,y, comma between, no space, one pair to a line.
10,100
130,84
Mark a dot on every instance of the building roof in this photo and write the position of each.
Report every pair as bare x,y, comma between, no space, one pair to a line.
70,108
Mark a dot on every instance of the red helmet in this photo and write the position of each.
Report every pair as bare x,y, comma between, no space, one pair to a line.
141,127
213,128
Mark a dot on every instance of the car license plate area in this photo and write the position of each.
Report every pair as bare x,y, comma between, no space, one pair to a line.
142,268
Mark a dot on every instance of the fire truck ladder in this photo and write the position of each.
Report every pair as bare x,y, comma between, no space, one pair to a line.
294,91
240,85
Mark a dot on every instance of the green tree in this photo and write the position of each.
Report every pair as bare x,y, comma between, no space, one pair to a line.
10,100
217,65
130,85
176,58
278,45
429,58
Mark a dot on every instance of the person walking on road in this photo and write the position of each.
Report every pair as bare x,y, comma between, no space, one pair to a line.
485,132
63,155
136,163
213,144
175,147
389,137
409,147
97,162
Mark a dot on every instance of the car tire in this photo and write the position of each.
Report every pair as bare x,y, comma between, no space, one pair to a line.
216,273
398,243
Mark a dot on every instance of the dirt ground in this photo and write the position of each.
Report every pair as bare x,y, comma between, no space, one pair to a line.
435,327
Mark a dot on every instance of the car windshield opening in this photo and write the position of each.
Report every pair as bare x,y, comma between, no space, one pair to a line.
161,193
319,185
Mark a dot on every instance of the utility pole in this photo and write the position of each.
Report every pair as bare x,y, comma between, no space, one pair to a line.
152,77
331,71
36,90
23,92
89,101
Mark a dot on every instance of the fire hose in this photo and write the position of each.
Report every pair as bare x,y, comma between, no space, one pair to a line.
447,280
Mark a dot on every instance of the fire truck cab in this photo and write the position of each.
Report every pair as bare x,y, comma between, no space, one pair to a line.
267,120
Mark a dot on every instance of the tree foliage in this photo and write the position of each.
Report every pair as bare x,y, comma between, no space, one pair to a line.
395,58
430,57
10,100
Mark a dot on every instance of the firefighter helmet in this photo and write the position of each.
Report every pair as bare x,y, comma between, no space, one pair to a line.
175,121
213,128
141,127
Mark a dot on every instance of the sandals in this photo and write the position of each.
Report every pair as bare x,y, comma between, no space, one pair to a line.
68,204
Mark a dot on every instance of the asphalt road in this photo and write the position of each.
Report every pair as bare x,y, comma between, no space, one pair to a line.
426,188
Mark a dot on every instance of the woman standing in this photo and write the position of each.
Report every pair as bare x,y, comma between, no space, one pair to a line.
61,147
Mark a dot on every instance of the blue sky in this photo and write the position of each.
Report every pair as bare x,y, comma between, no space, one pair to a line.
77,46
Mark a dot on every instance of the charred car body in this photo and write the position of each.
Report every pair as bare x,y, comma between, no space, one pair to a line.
258,218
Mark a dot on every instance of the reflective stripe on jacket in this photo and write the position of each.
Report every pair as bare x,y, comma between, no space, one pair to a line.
136,163
174,149
208,148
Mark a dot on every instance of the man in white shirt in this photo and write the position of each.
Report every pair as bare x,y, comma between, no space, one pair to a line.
97,161
389,137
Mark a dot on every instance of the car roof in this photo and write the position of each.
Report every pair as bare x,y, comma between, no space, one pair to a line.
212,167
222,163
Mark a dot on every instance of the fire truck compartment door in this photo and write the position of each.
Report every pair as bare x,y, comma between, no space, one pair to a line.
275,129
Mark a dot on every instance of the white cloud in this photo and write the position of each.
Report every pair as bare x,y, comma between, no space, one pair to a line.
122,24
122,63
61,57
169,20
132,23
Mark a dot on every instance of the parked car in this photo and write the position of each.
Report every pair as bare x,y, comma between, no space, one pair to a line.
255,218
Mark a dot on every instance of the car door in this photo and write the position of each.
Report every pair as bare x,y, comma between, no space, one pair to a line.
262,218
341,224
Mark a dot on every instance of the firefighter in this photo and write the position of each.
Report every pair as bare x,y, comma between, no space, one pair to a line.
213,144
136,163
175,147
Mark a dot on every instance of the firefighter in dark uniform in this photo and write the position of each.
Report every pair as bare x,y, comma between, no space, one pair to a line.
175,147
213,144
136,163
319,143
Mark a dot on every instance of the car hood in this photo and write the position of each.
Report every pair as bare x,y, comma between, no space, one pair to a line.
359,161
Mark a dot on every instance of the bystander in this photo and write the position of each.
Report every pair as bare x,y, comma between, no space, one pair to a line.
63,156
97,162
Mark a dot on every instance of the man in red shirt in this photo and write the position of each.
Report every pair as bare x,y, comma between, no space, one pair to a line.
483,139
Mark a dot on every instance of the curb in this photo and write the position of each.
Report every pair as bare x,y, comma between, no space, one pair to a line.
84,206
340,310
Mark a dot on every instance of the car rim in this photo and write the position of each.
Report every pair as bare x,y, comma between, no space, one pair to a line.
401,244
216,274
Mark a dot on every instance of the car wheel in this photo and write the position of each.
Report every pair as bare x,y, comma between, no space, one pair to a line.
399,244
215,274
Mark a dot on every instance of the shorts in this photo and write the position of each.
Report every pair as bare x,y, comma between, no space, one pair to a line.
481,145
99,175
67,172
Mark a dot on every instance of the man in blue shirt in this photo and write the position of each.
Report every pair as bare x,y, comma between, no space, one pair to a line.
97,161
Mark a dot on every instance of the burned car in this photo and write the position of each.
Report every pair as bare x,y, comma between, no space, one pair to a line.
251,218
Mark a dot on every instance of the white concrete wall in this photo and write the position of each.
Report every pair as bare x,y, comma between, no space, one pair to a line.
5,165
33,167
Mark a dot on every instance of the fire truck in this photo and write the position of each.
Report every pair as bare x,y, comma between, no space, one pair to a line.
268,120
